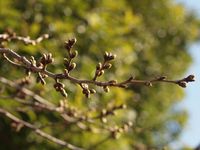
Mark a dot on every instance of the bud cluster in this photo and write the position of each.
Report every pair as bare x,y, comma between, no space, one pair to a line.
86,91
70,43
9,35
71,54
60,88
69,65
105,65
45,60
184,81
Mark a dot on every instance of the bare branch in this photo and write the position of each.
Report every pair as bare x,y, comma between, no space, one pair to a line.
10,36
71,116
27,92
131,81
38,131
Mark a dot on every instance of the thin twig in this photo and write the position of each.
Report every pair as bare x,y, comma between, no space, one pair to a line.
25,40
45,104
27,92
38,131
131,81
10,61
40,68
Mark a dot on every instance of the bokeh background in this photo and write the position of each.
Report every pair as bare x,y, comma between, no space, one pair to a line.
150,38
190,135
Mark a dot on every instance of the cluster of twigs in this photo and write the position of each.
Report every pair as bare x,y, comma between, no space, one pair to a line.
66,112
10,36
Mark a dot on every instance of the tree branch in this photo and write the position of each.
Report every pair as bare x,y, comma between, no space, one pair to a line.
131,81
9,36
38,131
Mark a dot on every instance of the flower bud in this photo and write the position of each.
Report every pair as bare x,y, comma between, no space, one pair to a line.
107,66
99,66
182,84
74,54
92,91
72,66
190,78
148,84
106,89
100,73
63,92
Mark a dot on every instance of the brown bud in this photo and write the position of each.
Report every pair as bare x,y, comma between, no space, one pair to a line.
106,55
69,44
87,95
59,86
63,92
190,78
161,78
107,66
49,58
100,73
131,78
86,91
66,62
73,54
112,57
92,91
43,59
182,84
106,89
72,66
148,84
99,66
109,56
112,82
33,61
84,86
72,41
44,75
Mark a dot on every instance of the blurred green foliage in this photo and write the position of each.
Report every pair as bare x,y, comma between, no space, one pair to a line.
149,37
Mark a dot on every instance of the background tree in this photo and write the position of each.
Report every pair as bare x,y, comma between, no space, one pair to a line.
149,38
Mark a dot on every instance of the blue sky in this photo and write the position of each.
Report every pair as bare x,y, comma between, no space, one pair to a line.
191,134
